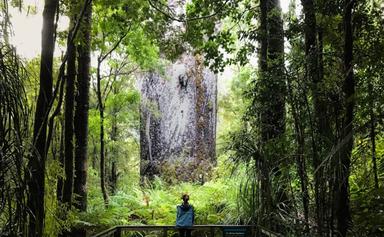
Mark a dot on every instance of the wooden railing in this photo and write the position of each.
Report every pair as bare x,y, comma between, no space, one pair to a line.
211,230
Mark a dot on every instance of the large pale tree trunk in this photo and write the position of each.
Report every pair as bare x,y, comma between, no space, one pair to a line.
178,121
178,116
36,164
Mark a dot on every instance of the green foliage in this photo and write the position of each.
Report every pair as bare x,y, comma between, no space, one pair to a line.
14,143
214,203
367,201
368,212
127,22
228,35
225,32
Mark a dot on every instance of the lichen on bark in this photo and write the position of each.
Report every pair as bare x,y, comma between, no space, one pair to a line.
178,134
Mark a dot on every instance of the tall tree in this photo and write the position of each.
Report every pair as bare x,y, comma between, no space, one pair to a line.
36,164
114,28
81,112
81,118
343,208
273,121
102,95
60,180
372,134
69,121
114,138
101,107
266,196
271,100
322,129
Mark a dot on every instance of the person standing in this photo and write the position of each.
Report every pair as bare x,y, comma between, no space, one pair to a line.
185,217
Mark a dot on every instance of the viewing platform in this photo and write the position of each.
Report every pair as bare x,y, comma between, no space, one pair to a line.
205,230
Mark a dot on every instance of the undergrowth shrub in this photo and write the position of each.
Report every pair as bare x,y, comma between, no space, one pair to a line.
215,202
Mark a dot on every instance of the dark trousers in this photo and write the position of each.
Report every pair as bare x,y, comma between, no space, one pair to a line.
185,233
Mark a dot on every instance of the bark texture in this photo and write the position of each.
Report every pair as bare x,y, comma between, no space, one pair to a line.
36,164
313,54
81,114
102,136
81,119
69,124
271,92
343,209
178,121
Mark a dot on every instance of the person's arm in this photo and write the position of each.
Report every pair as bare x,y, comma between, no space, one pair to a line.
193,215
177,213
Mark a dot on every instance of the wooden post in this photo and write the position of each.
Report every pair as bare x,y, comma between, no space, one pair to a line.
212,232
117,232
253,231
165,232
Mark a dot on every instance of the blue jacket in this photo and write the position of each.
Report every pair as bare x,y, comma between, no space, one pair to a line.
185,216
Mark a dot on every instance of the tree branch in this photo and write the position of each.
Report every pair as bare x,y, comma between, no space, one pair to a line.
101,58
167,14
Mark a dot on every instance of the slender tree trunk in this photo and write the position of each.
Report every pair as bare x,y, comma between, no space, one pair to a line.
320,36
325,205
59,191
69,128
300,157
343,209
69,123
36,164
94,155
372,135
81,119
373,150
314,73
102,142
5,23
114,153
301,166
114,176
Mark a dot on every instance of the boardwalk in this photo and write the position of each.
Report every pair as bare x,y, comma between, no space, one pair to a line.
208,230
